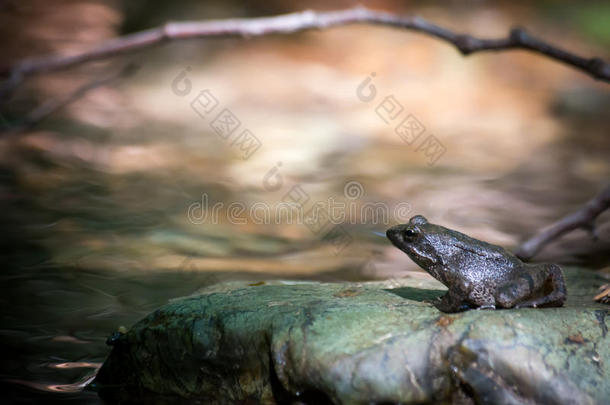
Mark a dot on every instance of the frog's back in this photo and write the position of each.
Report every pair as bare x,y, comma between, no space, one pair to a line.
478,260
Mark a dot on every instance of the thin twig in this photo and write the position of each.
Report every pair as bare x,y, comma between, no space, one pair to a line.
604,295
51,106
295,22
583,218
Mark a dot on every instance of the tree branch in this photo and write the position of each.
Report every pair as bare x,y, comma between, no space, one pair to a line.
583,218
604,295
295,22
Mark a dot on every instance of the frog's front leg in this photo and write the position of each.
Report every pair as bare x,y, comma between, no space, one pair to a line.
452,301
535,286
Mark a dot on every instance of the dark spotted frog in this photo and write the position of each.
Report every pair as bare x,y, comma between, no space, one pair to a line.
477,274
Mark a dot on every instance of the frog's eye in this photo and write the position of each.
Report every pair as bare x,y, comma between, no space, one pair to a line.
410,233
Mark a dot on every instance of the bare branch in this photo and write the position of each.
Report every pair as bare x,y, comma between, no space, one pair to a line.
51,106
604,295
295,22
583,218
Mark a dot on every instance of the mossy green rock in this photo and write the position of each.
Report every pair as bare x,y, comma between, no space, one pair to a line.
283,342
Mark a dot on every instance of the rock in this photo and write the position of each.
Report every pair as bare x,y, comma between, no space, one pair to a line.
285,342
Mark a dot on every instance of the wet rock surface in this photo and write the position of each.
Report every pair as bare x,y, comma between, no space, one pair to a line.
280,342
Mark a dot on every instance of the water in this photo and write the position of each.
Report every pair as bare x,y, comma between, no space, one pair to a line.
75,272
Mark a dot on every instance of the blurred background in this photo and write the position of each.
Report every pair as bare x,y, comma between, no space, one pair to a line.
127,197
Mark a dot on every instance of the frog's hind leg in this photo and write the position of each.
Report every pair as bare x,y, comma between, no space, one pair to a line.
542,285
554,290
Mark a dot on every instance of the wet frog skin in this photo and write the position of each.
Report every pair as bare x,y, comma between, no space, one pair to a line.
477,274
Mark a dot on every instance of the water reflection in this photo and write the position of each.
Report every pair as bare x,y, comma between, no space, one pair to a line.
76,387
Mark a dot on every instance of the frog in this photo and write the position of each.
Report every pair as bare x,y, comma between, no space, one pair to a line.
477,274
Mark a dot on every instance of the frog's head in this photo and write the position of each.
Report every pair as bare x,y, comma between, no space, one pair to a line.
417,239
